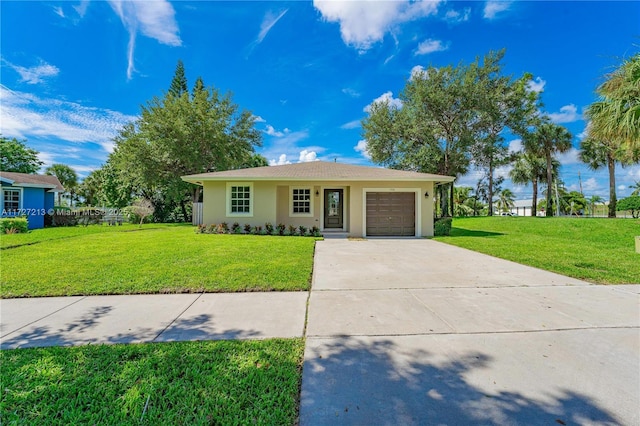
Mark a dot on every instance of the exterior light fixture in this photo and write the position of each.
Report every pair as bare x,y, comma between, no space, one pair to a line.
426,194
317,193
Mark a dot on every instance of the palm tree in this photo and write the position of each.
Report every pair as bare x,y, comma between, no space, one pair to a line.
636,188
593,201
547,139
505,200
598,153
529,168
615,116
67,177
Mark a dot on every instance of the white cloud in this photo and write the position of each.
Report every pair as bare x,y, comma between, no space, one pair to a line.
570,157
454,16
515,146
361,147
591,185
81,9
431,46
273,132
35,74
364,23
622,187
58,11
154,19
567,114
24,115
282,160
418,69
351,92
258,119
385,97
493,7
270,19
307,156
351,125
536,85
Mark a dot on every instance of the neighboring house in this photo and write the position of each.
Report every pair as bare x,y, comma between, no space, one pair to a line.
28,195
521,207
354,200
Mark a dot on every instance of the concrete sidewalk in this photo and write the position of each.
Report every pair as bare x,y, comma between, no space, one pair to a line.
419,332
65,321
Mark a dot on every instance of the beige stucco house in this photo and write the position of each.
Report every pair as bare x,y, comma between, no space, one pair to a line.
354,200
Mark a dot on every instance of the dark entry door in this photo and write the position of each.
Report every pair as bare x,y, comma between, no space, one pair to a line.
333,211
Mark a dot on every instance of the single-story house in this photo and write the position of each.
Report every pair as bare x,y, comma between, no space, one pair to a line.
357,201
28,195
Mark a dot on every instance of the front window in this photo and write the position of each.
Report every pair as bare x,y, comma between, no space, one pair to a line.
11,200
301,201
239,199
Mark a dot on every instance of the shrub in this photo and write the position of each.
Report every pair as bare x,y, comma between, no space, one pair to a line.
237,230
201,229
224,227
292,230
13,225
303,230
247,228
281,228
64,216
269,228
315,231
235,227
442,227
212,229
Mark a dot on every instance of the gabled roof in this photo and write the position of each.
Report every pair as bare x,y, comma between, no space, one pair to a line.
317,171
31,181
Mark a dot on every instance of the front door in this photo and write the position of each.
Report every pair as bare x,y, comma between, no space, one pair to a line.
333,207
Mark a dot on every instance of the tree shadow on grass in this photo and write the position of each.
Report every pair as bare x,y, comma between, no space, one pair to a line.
461,232
374,381
83,330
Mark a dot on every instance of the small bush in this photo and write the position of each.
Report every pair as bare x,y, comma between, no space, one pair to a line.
64,216
212,229
269,228
315,231
235,227
281,228
442,227
247,228
201,229
303,230
292,230
14,225
224,227
237,231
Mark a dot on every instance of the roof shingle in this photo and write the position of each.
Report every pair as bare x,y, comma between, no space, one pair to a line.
320,171
40,181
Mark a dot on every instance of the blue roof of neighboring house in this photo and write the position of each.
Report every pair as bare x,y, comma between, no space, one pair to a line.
26,180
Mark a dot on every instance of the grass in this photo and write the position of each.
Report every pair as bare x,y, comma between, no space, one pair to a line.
155,259
596,250
222,382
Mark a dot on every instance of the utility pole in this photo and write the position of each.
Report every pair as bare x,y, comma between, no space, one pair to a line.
580,180
557,200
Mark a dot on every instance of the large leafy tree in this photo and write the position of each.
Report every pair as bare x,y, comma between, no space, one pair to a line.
615,116
67,177
501,103
178,134
599,153
443,111
632,204
529,168
15,156
545,141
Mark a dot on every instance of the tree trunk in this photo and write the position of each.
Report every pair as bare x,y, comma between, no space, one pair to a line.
490,192
534,206
612,186
549,211
451,199
184,211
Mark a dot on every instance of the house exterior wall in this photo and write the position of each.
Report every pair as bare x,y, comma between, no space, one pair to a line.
32,204
272,203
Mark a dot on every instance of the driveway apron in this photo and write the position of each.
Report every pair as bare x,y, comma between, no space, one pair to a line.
413,331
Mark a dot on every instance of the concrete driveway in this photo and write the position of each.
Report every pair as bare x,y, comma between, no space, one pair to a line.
419,332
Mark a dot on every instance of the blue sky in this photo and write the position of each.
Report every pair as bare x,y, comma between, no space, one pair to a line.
72,72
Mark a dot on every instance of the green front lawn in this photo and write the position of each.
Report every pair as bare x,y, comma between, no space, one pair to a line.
223,382
154,259
596,250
